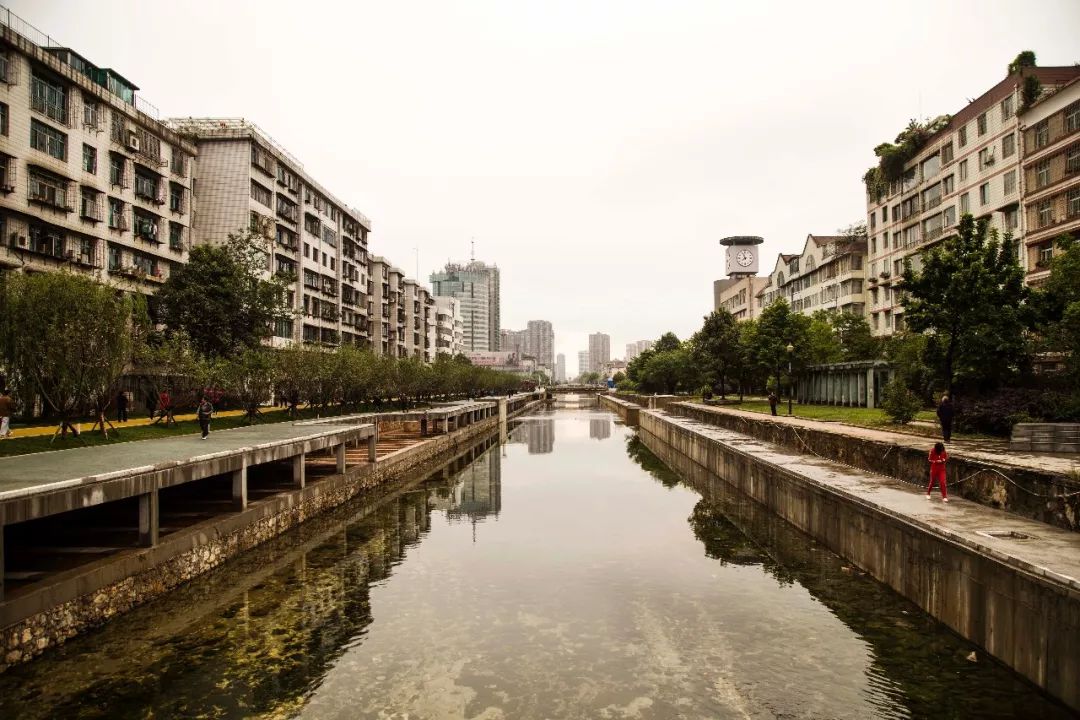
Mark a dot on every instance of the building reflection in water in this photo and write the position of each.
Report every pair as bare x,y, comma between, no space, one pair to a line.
600,428
538,434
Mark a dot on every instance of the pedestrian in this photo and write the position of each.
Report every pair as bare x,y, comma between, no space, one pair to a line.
205,411
773,400
6,408
938,457
121,406
945,416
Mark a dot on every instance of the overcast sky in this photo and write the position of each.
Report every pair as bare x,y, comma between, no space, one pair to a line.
596,151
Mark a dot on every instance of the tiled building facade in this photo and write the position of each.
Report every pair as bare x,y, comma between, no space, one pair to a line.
88,181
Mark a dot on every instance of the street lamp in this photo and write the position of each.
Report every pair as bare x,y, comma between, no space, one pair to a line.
790,350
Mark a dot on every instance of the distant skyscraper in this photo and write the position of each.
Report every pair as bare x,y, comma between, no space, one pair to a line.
560,368
636,348
583,362
540,342
476,285
513,341
599,351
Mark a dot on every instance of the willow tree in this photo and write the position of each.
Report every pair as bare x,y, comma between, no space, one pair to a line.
67,340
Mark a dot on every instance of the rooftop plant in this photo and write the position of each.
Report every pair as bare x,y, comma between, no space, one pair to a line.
892,157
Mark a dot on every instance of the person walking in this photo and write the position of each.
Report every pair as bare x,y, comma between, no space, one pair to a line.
945,416
121,406
7,406
938,457
204,413
773,400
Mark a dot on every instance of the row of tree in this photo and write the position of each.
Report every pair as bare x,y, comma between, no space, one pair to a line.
68,342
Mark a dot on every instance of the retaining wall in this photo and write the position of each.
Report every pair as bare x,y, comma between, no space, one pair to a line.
982,482
1027,621
75,601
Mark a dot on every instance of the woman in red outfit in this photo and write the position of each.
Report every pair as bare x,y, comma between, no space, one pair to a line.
938,458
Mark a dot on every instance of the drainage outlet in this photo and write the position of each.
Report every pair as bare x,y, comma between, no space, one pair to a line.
1006,534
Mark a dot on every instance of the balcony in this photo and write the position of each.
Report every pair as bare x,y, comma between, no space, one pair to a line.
48,191
91,208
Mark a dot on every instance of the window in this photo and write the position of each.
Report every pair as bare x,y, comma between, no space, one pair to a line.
931,166
261,159
1042,174
1007,109
146,225
89,159
1012,218
48,140
949,216
981,124
946,153
885,214
1046,254
286,238
49,190
3,119
116,215
947,185
1042,134
965,204
873,221
963,169
1009,182
261,195
984,193
329,237
961,136
287,208
307,250
178,163
986,157
1044,213
146,185
896,239
312,225
1008,145
1072,159
176,198
873,245
176,236
1072,117
49,98
90,205
1072,202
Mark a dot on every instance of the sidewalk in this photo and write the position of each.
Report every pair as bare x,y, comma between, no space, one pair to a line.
993,451
47,430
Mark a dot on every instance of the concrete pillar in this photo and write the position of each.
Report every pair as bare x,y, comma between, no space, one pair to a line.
871,400
371,443
239,486
149,519
299,470
339,451
861,389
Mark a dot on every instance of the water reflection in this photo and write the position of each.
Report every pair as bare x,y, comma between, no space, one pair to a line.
537,433
600,428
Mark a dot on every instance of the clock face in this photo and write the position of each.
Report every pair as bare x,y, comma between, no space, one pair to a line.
745,258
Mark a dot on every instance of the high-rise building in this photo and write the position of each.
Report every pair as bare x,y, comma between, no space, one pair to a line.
560,368
970,165
599,351
540,342
1051,176
583,363
634,349
448,327
387,308
829,274
419,321
90,180
513,341
476,286
247,182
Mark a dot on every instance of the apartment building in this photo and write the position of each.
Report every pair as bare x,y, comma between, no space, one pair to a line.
560,368
513,341
738,295
419,320
540,342
387,308
970,165
584,363
249,183
599,351
1051,176
476,286
449,330
90,180
634,349
829,274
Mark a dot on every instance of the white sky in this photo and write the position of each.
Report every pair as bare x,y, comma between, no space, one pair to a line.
596,151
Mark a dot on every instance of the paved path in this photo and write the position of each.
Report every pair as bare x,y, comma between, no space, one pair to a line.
27,474
1052,552
134,421
993,451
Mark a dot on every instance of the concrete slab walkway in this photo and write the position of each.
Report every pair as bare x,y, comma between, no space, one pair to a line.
1051,552
134,421
992,451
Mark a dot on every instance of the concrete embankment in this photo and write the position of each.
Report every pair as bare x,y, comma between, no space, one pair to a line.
1010,481
1006,583
70,602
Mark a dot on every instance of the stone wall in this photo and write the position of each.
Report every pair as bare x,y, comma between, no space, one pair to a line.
626,410
1025,620
982,481
119,583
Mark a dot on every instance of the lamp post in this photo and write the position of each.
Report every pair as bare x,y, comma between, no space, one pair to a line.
790,350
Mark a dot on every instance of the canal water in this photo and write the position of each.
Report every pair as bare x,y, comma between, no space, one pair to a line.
565,573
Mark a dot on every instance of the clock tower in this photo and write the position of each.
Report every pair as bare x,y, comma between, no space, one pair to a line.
741,256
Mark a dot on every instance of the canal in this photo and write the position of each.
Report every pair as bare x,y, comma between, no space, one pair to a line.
564,574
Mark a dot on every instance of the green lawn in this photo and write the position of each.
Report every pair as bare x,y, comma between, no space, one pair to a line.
867,417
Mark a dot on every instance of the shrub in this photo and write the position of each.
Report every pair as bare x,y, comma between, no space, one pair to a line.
997,414
899,403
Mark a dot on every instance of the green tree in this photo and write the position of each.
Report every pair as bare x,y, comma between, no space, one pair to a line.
1056,305
748,371
857,342
249,377
168,363
899,403
777,329
670,371
1025,59
222,298
823,342
716,349
667,342
66,341
970,294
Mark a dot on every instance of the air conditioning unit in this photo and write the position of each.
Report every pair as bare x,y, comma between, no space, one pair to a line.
133,141
18,240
